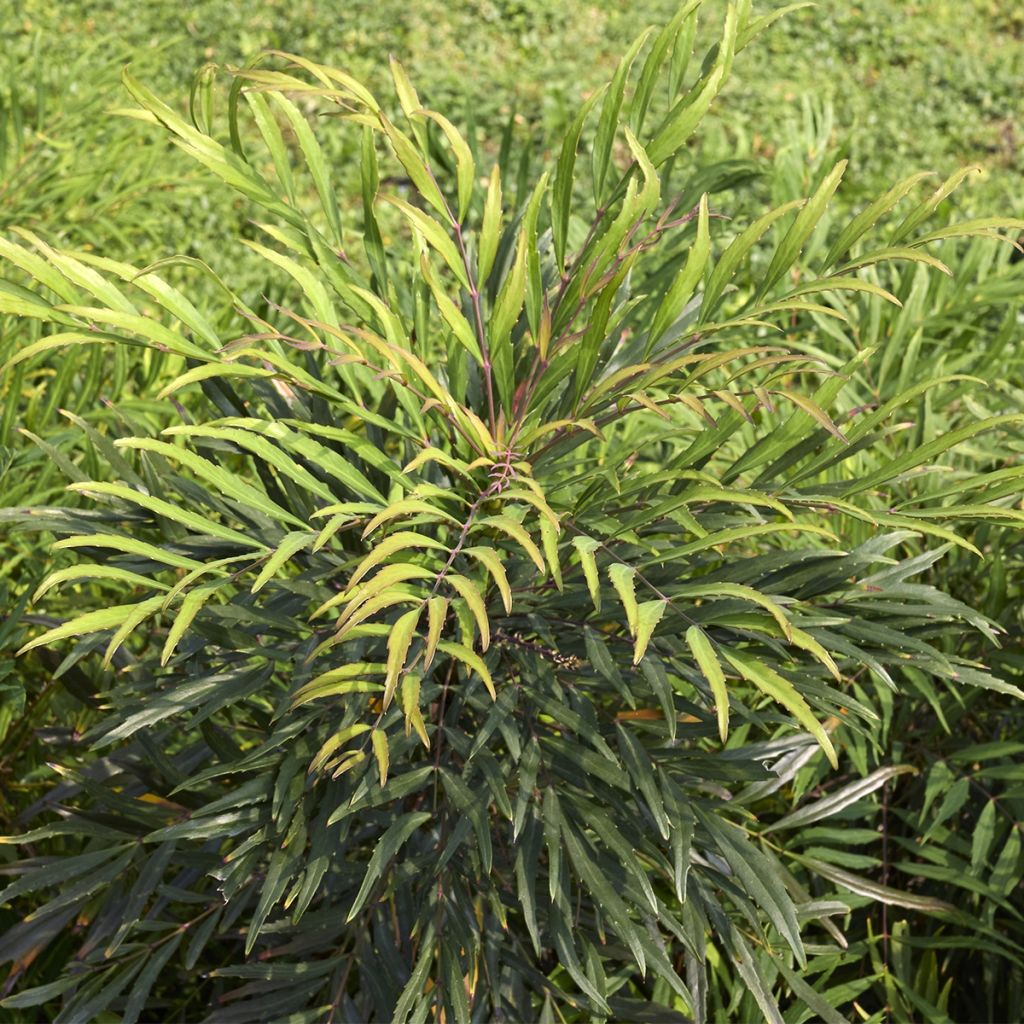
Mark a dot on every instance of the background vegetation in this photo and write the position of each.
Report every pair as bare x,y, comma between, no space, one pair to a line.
881,85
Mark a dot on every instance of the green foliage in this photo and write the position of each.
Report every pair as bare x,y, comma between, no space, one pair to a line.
903,96
471,622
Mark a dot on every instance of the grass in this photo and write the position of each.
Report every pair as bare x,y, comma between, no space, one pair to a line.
904,95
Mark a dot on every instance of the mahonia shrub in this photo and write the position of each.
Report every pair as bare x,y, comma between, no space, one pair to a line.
463,604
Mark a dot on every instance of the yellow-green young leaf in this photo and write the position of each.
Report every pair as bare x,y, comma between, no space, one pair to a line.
354,597
351,671
290,545
334,524
338,740
648,615
533,495
538,313
213,568
609,118
224,163
439,455
744,593
435,235
415,167
869,216
167,510
650,194
287,369
561,191
208,370
315,293
843,284
159,290
814,411
379,740
325,75
924,210
411,708
307,448
35,266
399,640
734,14
491,560
273,138
333,688
261,448
806,221
348,762
713,492
465,169
161,337
585,548
477,427
704,654
685,283
514,530
141,611
891,255
352,509
407,95
407,507
549,538
931,529
316,163
490,227
470,593
75,573
789,306
683,119
16,307
984,227
675,42
190,606
362,612
807,643
389,546
91,622
128,546
425,489
785,693
355,672
451,313
507,307
622,580
728,262
471,660
437,612
730,400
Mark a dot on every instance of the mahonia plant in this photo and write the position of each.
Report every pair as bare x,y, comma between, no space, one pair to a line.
461,608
